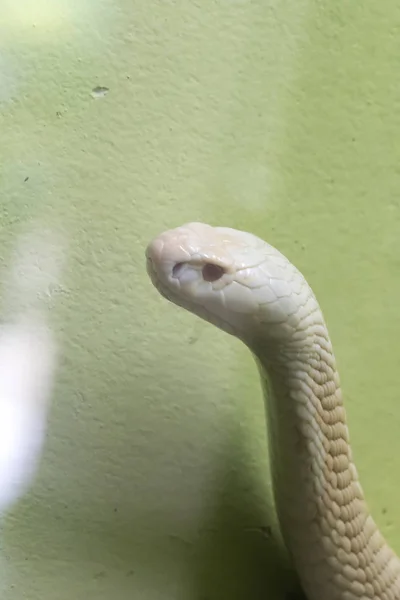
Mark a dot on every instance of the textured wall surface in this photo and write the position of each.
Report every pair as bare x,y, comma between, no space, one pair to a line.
278,117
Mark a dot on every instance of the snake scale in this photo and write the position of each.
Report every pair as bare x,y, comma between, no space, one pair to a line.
246,287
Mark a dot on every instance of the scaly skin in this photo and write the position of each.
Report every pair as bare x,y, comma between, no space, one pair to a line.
246,287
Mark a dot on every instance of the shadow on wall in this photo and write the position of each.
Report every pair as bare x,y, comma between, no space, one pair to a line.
108,537
237,555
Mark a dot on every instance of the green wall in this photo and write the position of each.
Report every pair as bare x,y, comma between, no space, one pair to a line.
277,117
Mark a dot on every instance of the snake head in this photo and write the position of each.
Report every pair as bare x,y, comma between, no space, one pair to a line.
230,278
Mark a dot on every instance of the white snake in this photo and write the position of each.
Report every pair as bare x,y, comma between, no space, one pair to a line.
246,287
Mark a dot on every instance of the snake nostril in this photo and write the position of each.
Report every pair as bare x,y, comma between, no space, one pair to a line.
212,272
176,270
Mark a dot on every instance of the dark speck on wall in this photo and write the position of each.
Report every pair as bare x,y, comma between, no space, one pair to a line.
100,575
99,91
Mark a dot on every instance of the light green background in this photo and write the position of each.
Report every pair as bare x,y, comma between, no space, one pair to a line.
281,118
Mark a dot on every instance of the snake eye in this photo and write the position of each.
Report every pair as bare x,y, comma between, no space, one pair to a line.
212,272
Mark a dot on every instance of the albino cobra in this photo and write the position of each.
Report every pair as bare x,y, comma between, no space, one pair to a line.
246,287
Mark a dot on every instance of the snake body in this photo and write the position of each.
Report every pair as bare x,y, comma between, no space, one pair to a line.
246,287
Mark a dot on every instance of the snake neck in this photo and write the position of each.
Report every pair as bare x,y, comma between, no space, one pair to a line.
334,543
